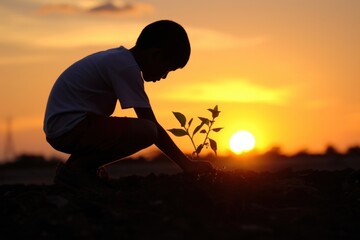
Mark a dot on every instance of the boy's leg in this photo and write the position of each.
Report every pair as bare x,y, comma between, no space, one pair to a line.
98,141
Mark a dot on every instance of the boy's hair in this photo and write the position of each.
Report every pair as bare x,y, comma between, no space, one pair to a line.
170,37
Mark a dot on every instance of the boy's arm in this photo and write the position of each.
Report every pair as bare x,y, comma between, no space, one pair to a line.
168,147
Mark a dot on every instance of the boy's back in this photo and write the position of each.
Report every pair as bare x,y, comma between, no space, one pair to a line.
94,84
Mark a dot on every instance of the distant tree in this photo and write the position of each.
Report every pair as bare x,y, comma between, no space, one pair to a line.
353,151
273,153
302,153
28,161
331,151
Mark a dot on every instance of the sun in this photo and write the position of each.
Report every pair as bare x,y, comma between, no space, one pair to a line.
242,141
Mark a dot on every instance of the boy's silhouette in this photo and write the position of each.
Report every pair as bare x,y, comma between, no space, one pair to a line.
77,118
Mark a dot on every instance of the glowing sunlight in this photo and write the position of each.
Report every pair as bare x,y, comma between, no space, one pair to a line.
242,141
232,90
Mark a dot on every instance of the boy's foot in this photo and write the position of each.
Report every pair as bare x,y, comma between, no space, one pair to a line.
96,182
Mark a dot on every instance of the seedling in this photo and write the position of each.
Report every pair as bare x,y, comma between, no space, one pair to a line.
208,128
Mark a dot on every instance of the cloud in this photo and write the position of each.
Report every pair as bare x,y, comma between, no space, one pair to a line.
37,35
58,8
111,7
115,7
85,34
230,90
123,9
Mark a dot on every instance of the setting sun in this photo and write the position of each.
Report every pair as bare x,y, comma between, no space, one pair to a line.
242,141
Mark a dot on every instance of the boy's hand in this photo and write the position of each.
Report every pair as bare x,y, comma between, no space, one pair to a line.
198,167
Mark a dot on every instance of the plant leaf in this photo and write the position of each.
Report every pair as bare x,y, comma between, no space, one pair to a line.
213,145
181,118
215,112
199,148
198,128
189,124
204,120
216,129
178,132
203,131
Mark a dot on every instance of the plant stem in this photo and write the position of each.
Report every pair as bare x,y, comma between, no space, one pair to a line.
193,143
208,132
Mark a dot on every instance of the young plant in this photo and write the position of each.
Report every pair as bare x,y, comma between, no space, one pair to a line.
208,127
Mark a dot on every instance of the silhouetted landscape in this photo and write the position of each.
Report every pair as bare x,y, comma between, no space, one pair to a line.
271,161
303,196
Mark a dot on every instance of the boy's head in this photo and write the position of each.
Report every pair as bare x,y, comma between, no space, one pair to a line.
169,41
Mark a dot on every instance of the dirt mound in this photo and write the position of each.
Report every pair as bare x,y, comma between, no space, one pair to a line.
223,205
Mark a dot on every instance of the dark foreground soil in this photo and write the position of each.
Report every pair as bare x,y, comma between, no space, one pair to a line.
225,205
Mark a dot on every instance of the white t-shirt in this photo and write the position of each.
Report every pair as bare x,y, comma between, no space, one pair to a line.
93,85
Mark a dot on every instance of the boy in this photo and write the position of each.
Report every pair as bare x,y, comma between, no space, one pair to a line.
77,118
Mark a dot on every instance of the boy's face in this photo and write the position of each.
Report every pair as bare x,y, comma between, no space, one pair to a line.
156,67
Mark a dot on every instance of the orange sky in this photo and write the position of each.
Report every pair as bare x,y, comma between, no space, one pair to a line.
287,71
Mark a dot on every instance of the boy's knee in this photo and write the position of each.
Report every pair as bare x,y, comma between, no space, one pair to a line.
150,130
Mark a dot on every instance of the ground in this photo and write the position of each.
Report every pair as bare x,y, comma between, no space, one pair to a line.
224,205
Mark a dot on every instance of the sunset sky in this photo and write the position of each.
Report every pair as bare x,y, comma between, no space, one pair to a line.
286,70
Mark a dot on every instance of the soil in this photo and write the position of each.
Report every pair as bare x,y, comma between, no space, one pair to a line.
224,205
